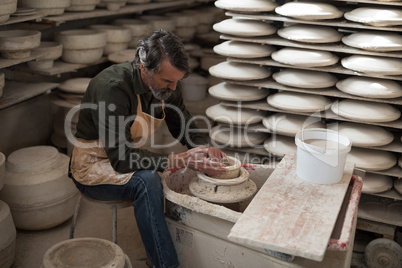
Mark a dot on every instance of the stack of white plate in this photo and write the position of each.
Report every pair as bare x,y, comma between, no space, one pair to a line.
239,49
247,6
373,64
239,71
234,115
375,183
244,27
371,160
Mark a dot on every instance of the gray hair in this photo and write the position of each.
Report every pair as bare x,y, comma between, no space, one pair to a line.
160,45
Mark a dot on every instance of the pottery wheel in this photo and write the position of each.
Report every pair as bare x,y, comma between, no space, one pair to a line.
383,252
229,191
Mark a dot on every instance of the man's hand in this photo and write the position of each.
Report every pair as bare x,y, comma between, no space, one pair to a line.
204,159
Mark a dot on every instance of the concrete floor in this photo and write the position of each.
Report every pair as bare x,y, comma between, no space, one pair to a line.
93,221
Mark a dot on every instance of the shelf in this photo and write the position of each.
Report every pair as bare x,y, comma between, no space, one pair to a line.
16,92
392,194
342,23
4,63
36,17
330,92
333,47
336,68
103,12
395,171
378,211
60,67
327,114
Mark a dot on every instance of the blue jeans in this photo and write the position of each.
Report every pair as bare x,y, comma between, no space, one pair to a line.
146,191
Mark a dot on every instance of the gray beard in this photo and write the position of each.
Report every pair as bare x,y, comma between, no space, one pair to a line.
161,94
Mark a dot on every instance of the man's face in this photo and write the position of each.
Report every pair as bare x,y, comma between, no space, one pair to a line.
163,83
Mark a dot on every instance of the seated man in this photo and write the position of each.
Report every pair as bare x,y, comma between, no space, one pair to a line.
123,105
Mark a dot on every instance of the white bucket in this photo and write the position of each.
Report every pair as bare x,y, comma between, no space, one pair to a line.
321,155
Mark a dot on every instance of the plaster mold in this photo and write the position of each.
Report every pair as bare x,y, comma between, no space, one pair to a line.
365,111
304,57
8,235
309,11
371,160
83,46
375,183
239,71
82,5
374,41
234,115
54,7
117,38
239,49
233,92
364,135
289,124
17,44
37,188
53,50
310,34
375,16
304,78
300,102
373,64
8,7
370,87
244,27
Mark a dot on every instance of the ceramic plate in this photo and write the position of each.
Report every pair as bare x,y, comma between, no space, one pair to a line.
373,64
249,5
234,115
370,87
232,92
309,11
240,49
289,124
230,136
370,159
122,56
376,16
304,57
298,102
239,71
75,85
365,111
375,183
374,41
244,27
310,34
304,78
364,135
280,145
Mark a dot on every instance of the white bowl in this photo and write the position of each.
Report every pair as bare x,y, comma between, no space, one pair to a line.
304,57
280,145
376,16
17,44
53,50
290,124
309,11
114,34
373,64
239,49
363,134
249,5
7,7
75,85
244,27
310,34
239,71
374,41
236,137
81,39
82,56
234,115
370,87
232,92
304,78
370,159
365,111
299,102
